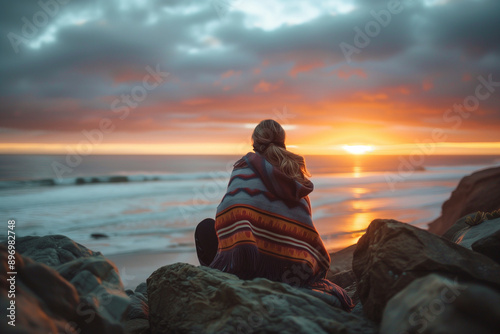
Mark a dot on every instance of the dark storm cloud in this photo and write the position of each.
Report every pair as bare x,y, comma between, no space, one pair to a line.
471,26
68,83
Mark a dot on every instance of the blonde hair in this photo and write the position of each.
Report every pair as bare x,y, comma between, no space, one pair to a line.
269,140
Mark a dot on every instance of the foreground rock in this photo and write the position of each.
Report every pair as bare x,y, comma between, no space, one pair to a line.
188,299
63,287
479,231
435,304
479,191
47,303
489,246
392,254
52,250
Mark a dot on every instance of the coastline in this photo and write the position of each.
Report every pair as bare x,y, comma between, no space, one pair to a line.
135,268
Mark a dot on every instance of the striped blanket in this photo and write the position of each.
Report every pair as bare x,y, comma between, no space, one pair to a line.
265,229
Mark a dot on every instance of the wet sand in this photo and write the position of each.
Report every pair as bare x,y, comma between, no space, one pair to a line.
135,268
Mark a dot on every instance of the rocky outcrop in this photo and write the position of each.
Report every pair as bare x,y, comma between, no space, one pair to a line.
435,304
188,299
52,250
45,302
489,246
478,231
479,191
63,287
392,254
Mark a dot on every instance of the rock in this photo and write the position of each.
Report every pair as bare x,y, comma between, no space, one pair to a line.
188,299
454,229
137,326
479,191
347,280
344,279
52,250
392,254
489,246
80,290
482,237
139,308
97,280
467,234
435,304
99,236
46,302
142,289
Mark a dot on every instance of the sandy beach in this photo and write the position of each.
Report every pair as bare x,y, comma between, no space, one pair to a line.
135,268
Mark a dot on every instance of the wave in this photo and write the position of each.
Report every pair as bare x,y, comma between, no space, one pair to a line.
322,179
88,180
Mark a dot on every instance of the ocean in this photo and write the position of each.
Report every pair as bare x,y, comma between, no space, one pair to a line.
150,204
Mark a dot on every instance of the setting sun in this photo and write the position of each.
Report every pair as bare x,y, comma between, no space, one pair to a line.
358,149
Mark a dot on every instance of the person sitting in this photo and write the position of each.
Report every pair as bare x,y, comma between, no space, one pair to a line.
263,225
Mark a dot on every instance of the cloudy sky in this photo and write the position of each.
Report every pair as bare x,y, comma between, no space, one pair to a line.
138,76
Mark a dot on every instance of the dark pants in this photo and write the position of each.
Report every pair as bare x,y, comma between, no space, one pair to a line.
206,241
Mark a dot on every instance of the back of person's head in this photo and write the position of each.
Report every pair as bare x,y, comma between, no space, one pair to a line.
269,140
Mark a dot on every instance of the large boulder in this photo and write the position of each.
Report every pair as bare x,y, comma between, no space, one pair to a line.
435,304
187,299
489,246
479,191
96,279
64,287
52,250
392,254
45,302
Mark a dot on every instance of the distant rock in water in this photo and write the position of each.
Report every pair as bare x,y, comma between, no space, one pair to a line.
104,179
99,236
419,168
479,191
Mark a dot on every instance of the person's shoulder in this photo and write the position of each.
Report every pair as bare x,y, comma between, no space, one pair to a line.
240,164
243,161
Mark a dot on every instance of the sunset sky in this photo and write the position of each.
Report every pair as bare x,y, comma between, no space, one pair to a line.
195,77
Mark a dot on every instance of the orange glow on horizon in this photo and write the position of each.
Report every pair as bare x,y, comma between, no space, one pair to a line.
492,148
